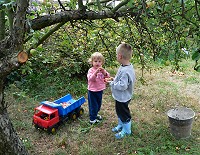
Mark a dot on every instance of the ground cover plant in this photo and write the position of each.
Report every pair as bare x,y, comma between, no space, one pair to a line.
155,93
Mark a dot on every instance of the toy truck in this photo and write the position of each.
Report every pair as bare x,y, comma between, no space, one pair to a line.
49,115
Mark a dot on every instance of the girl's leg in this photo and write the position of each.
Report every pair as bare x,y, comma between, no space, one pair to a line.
93,105
99,99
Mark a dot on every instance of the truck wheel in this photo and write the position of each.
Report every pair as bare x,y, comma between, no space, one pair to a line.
81,111
73,116
36,127
53,130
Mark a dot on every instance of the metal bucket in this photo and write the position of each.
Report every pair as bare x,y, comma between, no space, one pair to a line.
180,120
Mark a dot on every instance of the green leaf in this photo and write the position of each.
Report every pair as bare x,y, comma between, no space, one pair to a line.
2,1
130,3
151,153
196,55
197,68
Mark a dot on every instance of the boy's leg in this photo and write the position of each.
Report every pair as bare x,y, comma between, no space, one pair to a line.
123,113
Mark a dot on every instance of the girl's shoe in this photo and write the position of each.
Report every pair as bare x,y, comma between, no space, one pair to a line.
94,121
99,117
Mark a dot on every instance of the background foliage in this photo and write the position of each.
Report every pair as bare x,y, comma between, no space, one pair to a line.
167,32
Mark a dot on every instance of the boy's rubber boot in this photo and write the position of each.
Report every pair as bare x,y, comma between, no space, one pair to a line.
118,128
126,130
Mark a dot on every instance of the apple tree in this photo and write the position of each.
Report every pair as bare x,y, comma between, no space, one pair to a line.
156,29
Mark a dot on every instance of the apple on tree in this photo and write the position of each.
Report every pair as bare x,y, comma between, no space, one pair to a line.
150,4
33,51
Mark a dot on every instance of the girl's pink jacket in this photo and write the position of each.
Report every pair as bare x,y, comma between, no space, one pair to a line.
96,83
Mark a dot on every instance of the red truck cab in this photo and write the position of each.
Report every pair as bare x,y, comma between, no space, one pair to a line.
46,117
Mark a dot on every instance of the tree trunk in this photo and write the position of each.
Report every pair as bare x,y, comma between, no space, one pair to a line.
10,144
2,24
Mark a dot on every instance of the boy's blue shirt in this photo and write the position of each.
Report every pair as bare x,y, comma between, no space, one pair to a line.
122,86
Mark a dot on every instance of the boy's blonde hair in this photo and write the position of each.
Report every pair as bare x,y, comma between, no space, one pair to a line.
96,55
125,50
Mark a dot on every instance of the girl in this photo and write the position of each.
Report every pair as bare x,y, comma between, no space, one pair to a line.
96,84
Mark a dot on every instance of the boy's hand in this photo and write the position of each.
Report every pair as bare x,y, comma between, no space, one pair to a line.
107,80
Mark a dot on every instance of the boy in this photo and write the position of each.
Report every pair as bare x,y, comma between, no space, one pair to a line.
122,90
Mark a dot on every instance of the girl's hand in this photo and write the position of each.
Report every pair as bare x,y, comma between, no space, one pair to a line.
98,71
103,71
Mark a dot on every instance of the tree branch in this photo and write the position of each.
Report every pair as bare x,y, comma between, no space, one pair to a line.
40,41
101,2
120,5
65,16
61,5
80,5
105,44
196,8
99,5
183,8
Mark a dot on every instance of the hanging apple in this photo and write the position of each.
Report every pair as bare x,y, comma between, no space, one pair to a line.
150,4
33,51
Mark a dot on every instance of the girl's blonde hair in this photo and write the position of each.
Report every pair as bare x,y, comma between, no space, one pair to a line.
96,55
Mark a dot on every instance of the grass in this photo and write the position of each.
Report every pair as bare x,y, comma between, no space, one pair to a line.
151,136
